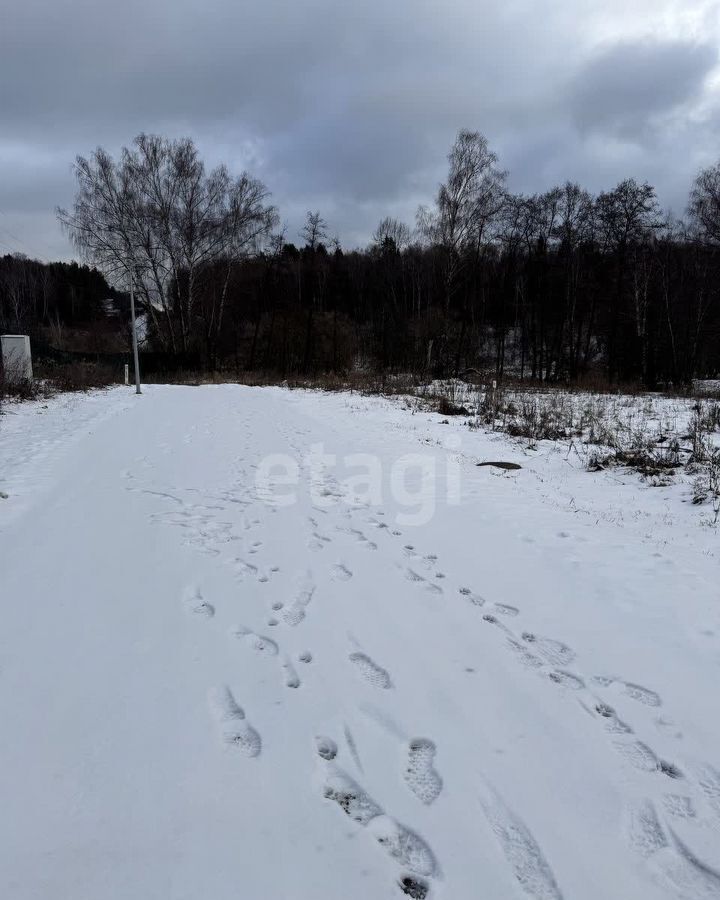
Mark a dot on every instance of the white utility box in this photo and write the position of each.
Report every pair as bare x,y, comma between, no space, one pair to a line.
16,357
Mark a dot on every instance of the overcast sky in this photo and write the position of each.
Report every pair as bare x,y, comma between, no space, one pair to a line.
351,108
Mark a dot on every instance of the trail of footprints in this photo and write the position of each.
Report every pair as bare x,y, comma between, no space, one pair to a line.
672,861
656,843
413,855
536,652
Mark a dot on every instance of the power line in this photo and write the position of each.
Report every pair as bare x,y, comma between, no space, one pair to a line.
8,247
7,230
22,248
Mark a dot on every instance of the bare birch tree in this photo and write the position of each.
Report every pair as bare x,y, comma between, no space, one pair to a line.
704,205
158,213
466,204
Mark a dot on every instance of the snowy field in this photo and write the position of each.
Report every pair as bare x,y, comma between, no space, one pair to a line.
286,645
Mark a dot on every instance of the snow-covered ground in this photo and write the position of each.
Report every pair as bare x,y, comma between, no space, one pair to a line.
281,645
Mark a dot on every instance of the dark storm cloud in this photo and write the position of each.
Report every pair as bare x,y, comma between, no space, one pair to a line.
628,87
352,109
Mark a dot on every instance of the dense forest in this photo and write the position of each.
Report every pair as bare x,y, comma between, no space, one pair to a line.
58,303
557,286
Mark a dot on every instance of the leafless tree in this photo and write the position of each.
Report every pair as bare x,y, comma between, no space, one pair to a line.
314,231
627,218
704,205
628,214
20,284
466,204
390,229
156,213
575,221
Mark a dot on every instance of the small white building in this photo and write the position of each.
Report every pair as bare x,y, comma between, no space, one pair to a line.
16,357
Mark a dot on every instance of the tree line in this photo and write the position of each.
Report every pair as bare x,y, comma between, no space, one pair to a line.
560,285
50,300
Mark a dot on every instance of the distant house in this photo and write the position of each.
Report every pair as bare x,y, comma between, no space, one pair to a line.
118,307
112,307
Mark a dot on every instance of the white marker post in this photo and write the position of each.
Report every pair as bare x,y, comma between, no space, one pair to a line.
127,374
134,336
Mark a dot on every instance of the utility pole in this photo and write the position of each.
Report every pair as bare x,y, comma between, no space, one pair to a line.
134,333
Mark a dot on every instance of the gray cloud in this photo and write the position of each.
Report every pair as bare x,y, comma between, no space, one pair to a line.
629,87
353,110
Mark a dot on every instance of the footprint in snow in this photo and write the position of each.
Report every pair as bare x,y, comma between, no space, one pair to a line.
641,757
245,569
295,612
672,863
370,670
234,727
554,652
196,604
382,526
566,679
524,655
413,887
257,641
343,790
362,540
420,774
426,585
521,850
326,747
399,842
679,806
403,845
635,691
474,598
642,694
317,542
291,676
638,754
709,781
340,572
612,723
